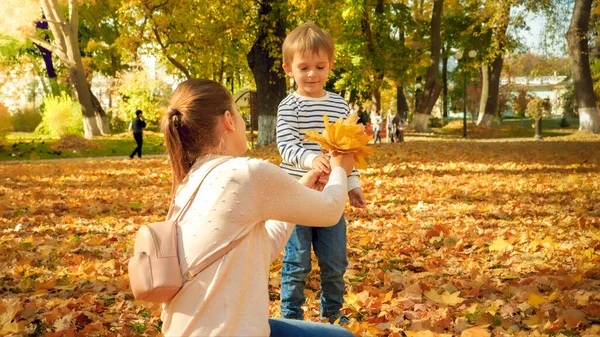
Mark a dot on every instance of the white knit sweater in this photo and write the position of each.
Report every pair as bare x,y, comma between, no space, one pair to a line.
241,197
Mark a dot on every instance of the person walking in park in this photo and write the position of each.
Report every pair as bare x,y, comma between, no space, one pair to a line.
249,201
137,126
398,125
376,121
308,58
362,116
389,118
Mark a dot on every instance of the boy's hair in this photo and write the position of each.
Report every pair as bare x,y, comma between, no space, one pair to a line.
138,112
307,37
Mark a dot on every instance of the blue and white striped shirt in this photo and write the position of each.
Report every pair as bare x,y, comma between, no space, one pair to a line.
296,115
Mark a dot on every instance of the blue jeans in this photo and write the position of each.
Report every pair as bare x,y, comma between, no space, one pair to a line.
295,328
376,131
329,244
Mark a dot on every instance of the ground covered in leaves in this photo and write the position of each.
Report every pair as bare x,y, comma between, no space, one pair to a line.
471,238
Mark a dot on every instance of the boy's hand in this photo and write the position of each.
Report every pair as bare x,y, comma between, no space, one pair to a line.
357,198
321,163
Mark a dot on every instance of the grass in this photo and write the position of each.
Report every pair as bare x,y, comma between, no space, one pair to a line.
510,128
31,146
26,146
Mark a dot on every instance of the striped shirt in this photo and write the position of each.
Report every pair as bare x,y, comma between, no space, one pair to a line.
295,116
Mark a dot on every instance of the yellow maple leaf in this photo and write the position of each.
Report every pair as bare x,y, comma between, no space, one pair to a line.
344,136
536,300
452,299
476,332
499,245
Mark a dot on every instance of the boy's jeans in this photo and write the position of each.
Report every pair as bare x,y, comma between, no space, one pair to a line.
329,244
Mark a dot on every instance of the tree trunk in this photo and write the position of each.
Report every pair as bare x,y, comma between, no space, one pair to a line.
577,39
491,105
432,88
445,87
485,89
270,81
401,103
47,57
371,39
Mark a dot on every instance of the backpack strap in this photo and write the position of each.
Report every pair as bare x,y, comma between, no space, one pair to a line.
189,202
193,271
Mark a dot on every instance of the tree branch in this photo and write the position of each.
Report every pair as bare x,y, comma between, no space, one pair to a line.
171,59
56,50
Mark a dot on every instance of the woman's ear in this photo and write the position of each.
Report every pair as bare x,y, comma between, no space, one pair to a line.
228,121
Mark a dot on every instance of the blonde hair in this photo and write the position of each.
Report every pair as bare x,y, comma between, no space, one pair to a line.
307,37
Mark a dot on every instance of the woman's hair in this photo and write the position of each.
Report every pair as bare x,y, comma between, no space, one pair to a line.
190,123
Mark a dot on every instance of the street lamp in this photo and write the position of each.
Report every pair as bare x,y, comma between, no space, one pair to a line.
458,56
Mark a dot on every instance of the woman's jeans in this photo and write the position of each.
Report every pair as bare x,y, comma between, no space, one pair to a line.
329,244
295,328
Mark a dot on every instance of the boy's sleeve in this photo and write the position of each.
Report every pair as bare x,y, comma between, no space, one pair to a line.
288,138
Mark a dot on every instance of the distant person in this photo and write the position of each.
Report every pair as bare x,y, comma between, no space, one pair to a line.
376,121
352,108
362,116
398,127
389,126
137,126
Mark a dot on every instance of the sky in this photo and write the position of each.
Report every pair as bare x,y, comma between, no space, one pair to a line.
532,38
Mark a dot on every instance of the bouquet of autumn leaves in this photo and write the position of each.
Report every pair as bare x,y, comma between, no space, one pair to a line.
346,136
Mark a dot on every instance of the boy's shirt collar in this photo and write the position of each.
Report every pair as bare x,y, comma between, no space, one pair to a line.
296,94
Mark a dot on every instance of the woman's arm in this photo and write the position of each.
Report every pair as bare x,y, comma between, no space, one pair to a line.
278,196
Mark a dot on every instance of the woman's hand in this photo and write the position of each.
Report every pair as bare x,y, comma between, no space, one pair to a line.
315,179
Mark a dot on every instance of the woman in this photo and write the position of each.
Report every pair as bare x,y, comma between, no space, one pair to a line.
376,121
236,199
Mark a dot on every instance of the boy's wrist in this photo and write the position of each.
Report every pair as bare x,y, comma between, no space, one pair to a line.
308,161
353,183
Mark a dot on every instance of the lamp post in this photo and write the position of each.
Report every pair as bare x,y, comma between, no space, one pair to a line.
459,56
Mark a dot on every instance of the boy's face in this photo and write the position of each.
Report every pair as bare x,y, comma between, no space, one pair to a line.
310,71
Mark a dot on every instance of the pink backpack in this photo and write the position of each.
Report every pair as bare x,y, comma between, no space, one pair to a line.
154,271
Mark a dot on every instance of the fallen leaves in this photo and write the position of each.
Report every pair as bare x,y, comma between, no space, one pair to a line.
346,136
459,238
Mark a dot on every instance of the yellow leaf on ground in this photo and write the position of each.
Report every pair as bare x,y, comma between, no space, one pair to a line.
535,300
424,333
432,295
499,245
10,327
475,332
452,299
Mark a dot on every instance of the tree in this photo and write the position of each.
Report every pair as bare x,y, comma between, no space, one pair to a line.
433,87
577,39
65,45
265,61
496,54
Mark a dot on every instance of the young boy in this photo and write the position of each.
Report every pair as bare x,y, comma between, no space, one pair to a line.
308,58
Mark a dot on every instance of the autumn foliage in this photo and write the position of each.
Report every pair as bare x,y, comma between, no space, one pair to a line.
344,135
463,238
